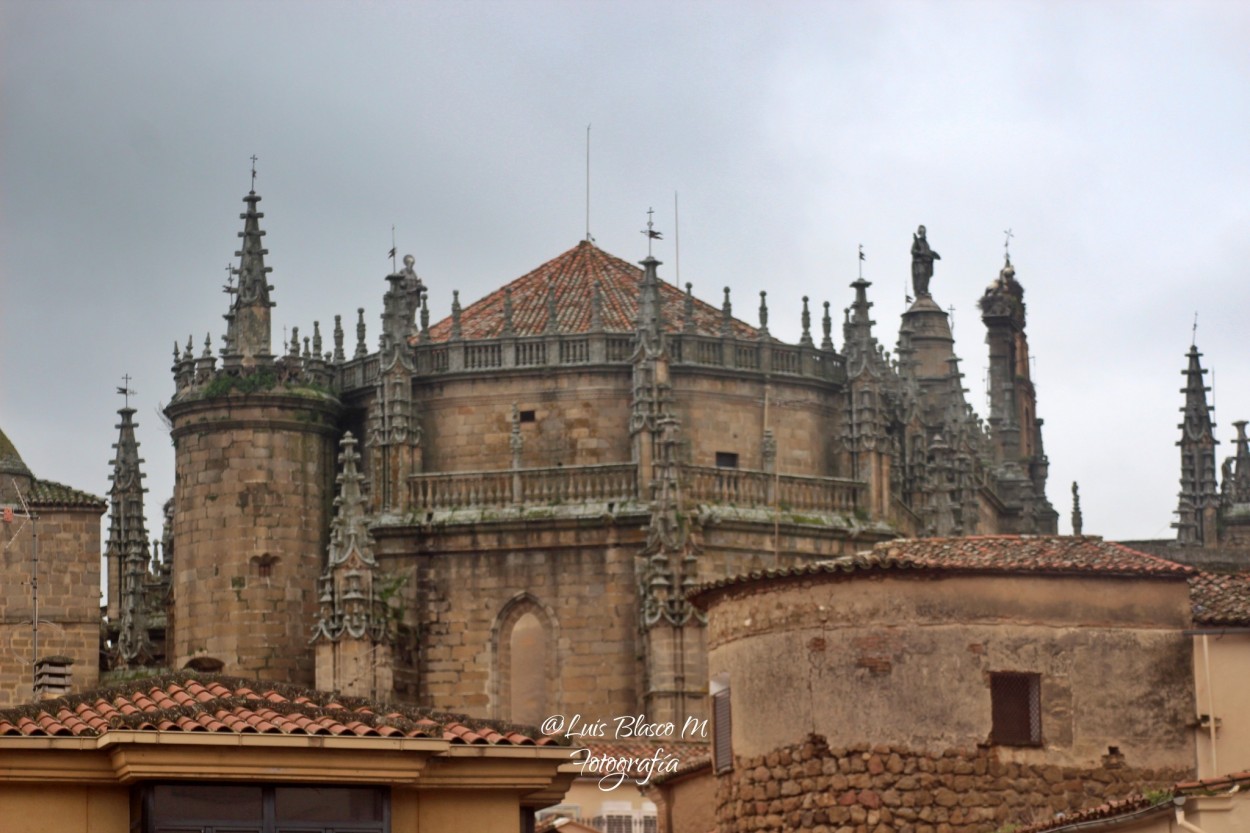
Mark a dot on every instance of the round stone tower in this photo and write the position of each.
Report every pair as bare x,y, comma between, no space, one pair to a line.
254,453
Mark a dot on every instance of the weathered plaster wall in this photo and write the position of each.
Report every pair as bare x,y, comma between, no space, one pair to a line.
906,660
1222,687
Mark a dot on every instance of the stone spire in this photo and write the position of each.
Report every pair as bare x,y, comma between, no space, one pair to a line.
1235,484
352,633
127,550
1198,499
247,323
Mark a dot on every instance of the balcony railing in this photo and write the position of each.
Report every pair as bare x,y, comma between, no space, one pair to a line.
619,483
740,487
572,350
520,487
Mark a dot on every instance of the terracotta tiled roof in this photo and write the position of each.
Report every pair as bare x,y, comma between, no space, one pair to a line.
1130,807
1220,598
48,493
1220,784
574,274
1033,554
191,702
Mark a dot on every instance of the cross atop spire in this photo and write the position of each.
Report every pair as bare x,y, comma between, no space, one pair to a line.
254,158
126,390
1007,235
650,231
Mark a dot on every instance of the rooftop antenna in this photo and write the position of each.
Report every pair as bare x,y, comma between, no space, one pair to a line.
27,515
126,391
589,238
391,253
254,158
676,240
1007,245
650,231
861,261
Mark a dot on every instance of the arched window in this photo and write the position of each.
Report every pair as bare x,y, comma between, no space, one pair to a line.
525,661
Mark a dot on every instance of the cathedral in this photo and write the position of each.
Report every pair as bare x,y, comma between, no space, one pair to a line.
501,512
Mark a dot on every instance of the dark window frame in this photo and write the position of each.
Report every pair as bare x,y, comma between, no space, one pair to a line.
147,822
1016,708
726,459
722,732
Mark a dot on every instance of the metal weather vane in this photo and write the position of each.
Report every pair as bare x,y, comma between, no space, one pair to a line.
650,231
126,391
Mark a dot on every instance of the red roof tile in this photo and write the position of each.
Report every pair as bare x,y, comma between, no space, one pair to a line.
574,275
191,702
1220,598
1029,554
1132,806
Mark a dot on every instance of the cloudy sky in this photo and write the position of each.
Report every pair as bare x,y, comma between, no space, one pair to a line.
1110,137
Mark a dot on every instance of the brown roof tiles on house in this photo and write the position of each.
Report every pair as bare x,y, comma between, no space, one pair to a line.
190,702
48,493
1033,554
1124,809
574,275
1220,598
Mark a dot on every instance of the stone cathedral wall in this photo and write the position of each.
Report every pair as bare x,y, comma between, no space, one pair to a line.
254,484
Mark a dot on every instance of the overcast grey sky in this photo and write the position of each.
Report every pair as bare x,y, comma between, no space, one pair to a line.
1111,137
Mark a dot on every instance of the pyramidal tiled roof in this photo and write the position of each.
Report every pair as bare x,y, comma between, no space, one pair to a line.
50,493
191,702
574,274
1036,554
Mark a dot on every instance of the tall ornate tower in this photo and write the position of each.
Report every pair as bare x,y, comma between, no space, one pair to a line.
1020,461
1199,498
127,551
254,448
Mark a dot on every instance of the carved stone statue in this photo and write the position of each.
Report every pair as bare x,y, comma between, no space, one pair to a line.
922,258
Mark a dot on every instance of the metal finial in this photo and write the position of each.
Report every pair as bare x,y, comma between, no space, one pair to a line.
1193,340
1007,235
126,391
650,231
230,288
861,261
394,249
254,158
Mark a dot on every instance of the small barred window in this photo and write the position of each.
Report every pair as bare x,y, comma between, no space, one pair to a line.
1016,701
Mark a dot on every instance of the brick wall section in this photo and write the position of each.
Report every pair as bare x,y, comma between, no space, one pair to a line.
69,598
255,477
890,789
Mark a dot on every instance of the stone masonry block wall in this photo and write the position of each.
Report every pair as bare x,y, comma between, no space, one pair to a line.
69,599
252,496
725,412
462,581
896,789
580,418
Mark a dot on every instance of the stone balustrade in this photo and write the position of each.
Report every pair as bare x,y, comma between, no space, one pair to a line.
563,350
741,487
533,487
619,483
